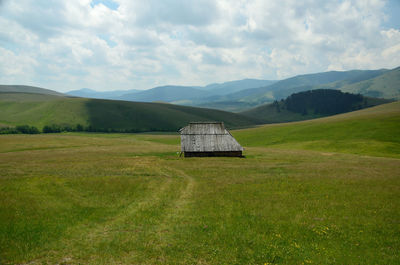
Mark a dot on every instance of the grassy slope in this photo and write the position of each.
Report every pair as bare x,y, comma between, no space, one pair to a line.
384,86
366,82
373,131
112,198
155,116
39,110
129,199
19,108
268,114
29,89
284,87
232,106
300,83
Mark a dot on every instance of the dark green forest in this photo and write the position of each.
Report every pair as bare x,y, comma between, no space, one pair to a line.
324,102
312,104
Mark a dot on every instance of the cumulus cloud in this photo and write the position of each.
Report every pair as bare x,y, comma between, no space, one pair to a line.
123,44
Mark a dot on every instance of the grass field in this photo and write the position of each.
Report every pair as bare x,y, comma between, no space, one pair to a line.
373,131
130,199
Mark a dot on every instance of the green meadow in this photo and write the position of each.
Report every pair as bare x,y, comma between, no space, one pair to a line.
325,191
104,115
373,131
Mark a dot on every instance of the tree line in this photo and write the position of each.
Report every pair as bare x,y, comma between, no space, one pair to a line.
323,101
53,128
56,128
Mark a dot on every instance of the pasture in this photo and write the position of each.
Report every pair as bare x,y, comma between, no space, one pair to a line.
106,115
86,198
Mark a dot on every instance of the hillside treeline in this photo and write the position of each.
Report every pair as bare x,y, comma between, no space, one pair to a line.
56,128
323,101
25,129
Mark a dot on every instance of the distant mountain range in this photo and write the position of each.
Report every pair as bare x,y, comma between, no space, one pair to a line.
378,83
170,94
245,94
183,95
241,95
90,93
235,86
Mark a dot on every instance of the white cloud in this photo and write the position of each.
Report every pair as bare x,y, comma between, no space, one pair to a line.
16,67
66,45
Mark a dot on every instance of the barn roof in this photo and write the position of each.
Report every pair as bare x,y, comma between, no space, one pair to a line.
207,137
204,128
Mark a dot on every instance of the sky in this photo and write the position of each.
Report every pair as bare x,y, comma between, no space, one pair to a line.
128,44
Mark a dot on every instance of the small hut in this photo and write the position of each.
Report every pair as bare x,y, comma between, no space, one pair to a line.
208,139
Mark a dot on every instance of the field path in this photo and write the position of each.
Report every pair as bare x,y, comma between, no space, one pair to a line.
143,227
173,214
185,193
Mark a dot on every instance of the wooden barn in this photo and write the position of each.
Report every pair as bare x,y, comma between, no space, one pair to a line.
208,139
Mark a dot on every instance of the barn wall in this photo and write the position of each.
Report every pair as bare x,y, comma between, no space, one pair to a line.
214,154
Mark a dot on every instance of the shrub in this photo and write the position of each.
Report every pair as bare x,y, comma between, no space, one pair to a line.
8,130
27,129
54,128
79,128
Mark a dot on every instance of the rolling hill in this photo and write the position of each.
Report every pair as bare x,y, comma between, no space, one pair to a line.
311,104
29,89
106,115
279,90
372,131
324,191
130,199
386,85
